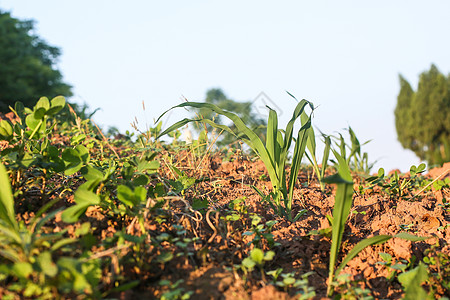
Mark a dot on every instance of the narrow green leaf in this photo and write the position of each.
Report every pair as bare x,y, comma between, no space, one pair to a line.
272,134
299,151
253,140
359,247
341,210
411,237
326,154
62,243
7,213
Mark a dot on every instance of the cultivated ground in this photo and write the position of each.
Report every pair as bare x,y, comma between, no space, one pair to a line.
195,231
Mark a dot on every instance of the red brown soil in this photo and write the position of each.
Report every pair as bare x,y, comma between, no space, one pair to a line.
300,250
221,245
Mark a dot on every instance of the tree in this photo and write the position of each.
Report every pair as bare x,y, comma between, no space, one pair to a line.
27,65
422,117
242,109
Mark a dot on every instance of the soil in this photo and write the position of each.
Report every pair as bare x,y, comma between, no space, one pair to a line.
299,248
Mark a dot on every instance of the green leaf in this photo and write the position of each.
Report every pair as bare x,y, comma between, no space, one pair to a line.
164,257
299,151
385,256
88,197
93,174
61,243
289,280
83,152
22,269
269,255
140,194
71,156
341,210
140,180
52,151
412,281
148,166
57,104
126,195
83,199
359,247
34,122
6,130
248,263
7,213
271,137
42,103
411,237
46,264
72,160
257,255
77,139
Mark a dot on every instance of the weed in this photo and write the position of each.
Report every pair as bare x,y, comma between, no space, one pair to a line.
349,289
261,232
175,292
395,186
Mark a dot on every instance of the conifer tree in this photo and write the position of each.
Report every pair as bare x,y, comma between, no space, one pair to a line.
422,117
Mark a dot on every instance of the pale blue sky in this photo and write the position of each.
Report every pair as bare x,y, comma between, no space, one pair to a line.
344,56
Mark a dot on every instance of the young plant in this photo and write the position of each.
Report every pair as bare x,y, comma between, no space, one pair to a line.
357,161
274,152
394,185
261,232
311,145
28,251
396,268
289,281
174,290
412,283
257,258
341,211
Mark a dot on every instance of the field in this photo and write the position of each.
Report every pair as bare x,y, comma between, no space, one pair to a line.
84,216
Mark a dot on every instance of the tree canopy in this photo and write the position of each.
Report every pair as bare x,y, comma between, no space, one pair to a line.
27,65
422,117
242,109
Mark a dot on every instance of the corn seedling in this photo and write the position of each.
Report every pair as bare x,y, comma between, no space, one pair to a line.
311,145
341,210
357,161
274,153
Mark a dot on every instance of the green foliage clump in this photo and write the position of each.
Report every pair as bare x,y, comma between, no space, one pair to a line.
422,117
27,65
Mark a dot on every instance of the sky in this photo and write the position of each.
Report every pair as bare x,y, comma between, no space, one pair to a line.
344,56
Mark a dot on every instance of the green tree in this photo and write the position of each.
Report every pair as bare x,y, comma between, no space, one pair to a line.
242,109
422,117
27,65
